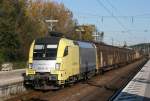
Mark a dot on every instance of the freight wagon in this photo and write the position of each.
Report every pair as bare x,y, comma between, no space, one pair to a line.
109,57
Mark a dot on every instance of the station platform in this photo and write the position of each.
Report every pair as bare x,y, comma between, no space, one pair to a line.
138,89
11,83
9,77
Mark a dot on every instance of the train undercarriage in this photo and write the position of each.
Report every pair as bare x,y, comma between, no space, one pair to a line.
46,81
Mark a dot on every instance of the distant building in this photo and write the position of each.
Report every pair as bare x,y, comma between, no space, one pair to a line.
97,36
144,47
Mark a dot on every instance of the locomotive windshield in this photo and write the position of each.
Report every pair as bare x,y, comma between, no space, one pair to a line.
45,52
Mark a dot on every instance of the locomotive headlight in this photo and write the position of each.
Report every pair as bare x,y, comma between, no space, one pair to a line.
57,66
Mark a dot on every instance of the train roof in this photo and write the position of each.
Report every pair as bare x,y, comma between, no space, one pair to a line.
47,40
103,44
54,38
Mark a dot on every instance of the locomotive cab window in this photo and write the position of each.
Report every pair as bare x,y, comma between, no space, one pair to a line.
45,52
51,51
38,51
66,51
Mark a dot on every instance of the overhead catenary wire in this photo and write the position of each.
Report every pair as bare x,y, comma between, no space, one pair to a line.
112,6
104,16
132,18
119,22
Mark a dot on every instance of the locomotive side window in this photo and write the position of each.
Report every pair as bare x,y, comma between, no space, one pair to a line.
66,51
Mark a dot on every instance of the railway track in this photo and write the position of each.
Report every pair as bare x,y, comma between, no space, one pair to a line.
98,88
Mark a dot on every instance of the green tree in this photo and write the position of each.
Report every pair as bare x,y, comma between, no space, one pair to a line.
9,42
22,21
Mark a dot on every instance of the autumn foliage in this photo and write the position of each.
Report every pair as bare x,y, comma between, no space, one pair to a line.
22,21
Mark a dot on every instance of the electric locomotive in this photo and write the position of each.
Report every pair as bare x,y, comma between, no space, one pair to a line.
56,61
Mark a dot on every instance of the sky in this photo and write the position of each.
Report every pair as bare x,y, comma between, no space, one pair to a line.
120,20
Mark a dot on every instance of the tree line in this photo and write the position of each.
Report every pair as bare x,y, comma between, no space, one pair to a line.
22,21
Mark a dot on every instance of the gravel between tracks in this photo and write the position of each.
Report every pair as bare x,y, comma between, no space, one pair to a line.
98,88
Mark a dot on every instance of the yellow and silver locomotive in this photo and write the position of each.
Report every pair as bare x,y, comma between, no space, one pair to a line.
55,61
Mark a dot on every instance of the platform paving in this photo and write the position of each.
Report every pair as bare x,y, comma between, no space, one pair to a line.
138,89
8,77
